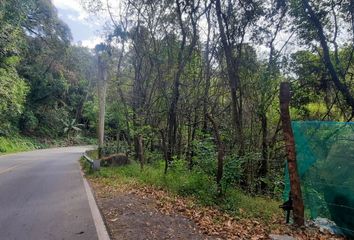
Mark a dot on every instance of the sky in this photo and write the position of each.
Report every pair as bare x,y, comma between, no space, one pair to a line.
85,28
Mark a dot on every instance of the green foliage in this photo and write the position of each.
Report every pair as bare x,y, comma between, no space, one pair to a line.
153,157
86,167
93,154
115,147
40,73
17,144
232,171
240,204
47,122
51,121
29,122
13,90
205,156
90,113
115,120
71,127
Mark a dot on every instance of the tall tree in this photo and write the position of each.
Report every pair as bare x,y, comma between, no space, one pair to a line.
234,18
190,10
315,23
102,64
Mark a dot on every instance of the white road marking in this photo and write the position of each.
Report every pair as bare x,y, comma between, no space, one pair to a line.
9,169
96,215
13,167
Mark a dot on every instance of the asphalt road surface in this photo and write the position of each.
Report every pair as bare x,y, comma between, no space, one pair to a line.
42,196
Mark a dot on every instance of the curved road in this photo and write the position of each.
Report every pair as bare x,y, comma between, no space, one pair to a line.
42,196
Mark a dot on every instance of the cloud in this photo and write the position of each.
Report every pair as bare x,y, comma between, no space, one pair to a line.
72,5
91,42
85,26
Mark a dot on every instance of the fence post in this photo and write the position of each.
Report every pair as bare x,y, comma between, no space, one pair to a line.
298,204
96,165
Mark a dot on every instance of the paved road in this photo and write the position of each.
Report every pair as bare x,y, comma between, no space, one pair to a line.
42,196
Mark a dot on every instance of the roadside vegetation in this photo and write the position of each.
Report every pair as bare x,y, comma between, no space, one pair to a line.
195,184
18,144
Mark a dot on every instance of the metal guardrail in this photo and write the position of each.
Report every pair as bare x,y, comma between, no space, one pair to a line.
94,164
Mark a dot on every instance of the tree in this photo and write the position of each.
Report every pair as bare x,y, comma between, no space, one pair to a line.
221,153
232,28
31,36
176,61
314,23
102,52
185,52
13,88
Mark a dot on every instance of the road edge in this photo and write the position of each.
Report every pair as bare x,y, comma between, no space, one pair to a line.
96,214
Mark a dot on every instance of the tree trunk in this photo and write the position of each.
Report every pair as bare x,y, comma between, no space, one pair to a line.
182,60
179,138
263,170
172,113
232,72
102,88
140,150
221,153
190,152
172,121
164,148
298,204
121,95
126,115
206,74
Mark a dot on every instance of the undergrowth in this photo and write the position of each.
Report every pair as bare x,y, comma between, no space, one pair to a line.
195,184
17,144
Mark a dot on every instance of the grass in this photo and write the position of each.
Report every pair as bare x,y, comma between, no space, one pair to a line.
93,154
194,184
17,144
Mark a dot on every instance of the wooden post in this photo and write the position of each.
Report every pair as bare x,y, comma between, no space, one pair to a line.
298,205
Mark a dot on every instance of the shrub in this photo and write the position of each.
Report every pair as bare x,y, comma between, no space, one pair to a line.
205,156
17,144
232,171
28,122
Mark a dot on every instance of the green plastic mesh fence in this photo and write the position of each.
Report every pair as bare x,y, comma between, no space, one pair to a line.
325,156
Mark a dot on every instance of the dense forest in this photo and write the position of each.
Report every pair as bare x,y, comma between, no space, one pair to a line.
191,83
198,81
45,81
